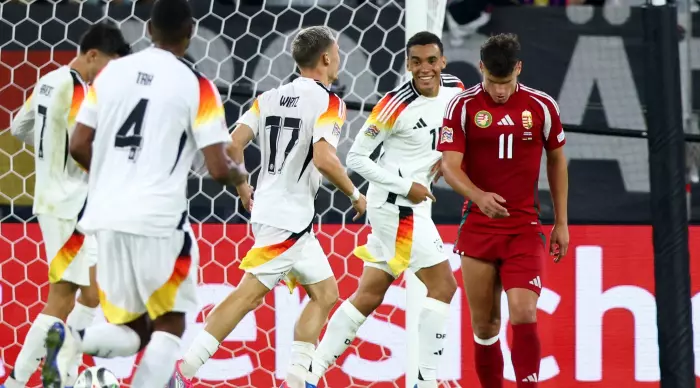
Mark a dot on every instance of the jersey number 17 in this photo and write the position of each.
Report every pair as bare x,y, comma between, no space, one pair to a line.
278,129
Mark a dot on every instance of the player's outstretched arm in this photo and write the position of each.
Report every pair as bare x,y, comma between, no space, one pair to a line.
22,126
81,145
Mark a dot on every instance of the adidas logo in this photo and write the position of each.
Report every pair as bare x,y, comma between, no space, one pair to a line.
537,283
420,124
532,378
506,121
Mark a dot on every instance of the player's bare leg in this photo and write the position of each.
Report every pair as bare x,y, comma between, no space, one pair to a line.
522,307
220,323
343,325
432,332
323,297
483,291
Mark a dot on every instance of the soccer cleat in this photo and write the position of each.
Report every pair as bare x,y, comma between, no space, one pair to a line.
179,380
50,373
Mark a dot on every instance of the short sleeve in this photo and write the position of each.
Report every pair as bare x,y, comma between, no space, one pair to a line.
330,121
552,129
209,124
251,117
87,114
453,135
23,123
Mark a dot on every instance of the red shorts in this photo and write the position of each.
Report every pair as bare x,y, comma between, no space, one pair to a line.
517,256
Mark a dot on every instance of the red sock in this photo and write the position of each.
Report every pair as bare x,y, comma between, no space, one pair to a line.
526,355
489,363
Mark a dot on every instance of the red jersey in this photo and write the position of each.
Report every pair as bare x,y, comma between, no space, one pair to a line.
502,146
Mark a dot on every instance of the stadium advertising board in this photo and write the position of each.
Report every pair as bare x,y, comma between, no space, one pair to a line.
597,313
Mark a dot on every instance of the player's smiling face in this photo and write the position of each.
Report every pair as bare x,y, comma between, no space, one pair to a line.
500,88
426,62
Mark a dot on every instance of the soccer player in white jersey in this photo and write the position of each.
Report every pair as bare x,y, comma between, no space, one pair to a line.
406,123
138,130
298,127
46,122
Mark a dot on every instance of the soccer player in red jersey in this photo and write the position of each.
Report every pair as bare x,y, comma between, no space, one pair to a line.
491,141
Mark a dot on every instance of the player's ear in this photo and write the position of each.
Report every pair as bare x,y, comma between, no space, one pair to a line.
518,68
92,55
444,62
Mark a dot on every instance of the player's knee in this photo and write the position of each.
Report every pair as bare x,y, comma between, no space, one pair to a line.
172,322
142,326
328,298
523,313
89,297
443,291
487,329
367,301
254,301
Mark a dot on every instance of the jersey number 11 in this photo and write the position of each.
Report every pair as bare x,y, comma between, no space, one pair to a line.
505,146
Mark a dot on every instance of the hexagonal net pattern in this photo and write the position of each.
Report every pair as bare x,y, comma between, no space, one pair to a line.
244,50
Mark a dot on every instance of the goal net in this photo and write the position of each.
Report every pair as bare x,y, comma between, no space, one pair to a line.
245,50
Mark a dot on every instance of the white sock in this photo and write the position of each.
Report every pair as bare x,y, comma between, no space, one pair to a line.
302,355
107,341
340,332
81,316
33,349
203,347
432,333
158,362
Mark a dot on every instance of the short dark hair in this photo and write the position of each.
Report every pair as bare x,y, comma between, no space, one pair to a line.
309,45
106,38
422,38
172,20
500,53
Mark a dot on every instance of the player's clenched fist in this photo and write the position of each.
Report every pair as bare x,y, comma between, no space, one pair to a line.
419,193
490,204
360,206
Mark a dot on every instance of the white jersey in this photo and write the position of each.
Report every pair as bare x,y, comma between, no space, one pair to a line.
406,124
151,112
46,121
287,122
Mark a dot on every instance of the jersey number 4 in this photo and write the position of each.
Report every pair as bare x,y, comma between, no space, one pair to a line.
278,130
129,134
